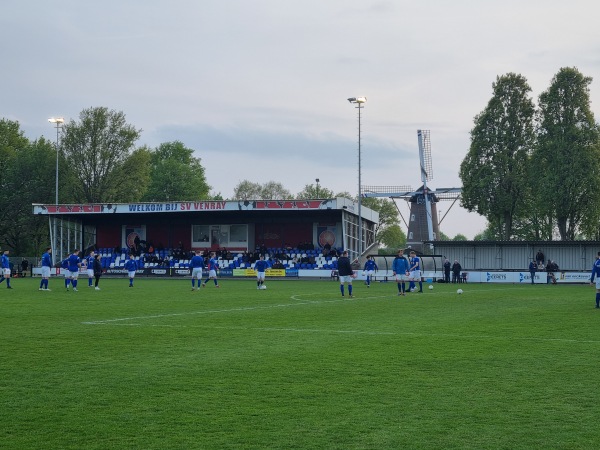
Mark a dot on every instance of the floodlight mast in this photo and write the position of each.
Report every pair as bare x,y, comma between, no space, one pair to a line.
58,121
359,102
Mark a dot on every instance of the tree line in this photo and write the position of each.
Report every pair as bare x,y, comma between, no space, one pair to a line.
99,162
532,171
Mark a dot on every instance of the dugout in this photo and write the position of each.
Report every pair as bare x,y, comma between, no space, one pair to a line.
210,225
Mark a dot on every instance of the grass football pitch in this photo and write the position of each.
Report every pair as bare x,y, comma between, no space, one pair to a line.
296,366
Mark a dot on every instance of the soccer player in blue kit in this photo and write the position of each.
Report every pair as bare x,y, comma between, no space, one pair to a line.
260,266
74,265
415,270
213,265
400,270
90,267
6,269
64,266
596,275
370,269
131,267
197,264
46,265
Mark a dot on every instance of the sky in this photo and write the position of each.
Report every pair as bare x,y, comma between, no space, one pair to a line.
259,88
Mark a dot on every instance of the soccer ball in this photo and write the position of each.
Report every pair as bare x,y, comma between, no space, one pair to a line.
459,291
430,286
412,290
263,287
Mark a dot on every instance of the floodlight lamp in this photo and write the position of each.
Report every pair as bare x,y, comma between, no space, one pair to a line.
361,99
56,120
352,99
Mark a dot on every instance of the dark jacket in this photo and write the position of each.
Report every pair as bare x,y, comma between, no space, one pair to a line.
456,268
344,266
97,267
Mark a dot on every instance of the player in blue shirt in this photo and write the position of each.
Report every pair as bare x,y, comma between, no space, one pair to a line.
400,270
131,267
89,263
415,271
213,266
260,266
74,266
370,269
6,269
64,267
46,265
197,264
596,275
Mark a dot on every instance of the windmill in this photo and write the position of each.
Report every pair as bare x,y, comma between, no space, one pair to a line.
423,224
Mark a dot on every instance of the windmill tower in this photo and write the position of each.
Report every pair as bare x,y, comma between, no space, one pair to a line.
423,223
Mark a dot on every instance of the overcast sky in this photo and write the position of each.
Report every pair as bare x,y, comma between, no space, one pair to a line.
259,88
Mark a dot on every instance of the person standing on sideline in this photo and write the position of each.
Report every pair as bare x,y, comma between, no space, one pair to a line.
260,266
197,264
447,267
596,275
64,267
456,268
370,269
97,268
532,271
131,267
90,267
213,265
400,271
415,269
6,269
345,273
46,264
74,266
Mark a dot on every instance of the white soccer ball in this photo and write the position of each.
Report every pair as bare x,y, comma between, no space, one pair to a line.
459,291
263,287
431,286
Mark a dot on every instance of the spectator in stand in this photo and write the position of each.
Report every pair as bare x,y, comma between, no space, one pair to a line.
447,267
456,268
539,257
532,271
46,264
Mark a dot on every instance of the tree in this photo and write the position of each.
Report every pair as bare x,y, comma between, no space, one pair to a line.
275,191
247,190
494,171
176,174
23,232
97,149
460,237
392,237
568,155
311,191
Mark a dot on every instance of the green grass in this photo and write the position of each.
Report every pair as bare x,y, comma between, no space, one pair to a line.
295,366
